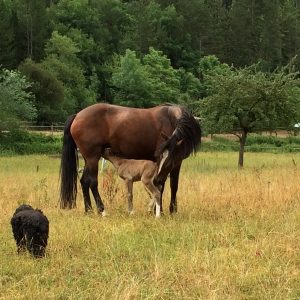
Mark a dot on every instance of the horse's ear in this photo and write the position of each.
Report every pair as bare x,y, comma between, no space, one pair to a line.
179,142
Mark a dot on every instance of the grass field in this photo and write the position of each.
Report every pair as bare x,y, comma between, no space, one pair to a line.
236,234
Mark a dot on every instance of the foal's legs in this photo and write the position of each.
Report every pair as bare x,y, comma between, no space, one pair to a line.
129,186
155,194
151,204
174,177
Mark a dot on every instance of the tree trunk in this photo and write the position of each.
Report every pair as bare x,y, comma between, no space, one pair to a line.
242,148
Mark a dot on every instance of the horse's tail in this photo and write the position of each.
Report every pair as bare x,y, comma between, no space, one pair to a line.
68,168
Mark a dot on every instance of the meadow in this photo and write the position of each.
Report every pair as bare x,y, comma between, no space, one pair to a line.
236,234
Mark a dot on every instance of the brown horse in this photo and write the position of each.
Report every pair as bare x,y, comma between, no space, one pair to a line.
166,134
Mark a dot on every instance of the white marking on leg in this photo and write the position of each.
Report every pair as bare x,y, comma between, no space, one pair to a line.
164,157
157,210
104,214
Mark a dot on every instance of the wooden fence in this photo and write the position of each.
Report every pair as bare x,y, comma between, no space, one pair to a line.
44,128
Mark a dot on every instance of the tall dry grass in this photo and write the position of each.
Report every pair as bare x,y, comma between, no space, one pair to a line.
236,235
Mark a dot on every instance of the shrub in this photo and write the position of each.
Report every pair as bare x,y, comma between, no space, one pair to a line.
23,142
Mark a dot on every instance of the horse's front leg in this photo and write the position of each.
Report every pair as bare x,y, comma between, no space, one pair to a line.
174,178
129,187
161,186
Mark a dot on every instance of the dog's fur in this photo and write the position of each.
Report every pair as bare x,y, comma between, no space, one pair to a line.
31,229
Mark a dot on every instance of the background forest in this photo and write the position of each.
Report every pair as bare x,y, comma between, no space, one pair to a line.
58,56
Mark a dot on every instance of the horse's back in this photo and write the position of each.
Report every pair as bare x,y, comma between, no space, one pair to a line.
132,132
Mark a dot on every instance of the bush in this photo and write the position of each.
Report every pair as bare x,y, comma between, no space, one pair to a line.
23,142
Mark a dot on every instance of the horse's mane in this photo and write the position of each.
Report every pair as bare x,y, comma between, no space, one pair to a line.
187,133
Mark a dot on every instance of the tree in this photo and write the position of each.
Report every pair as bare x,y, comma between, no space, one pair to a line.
147,82
163,78
48,91
210,66
63,63
31,28
15,101
7,50
130,80
249,100
151,81
98,29
290,29
190,89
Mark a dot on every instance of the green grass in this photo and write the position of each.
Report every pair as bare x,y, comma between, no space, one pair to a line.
236,235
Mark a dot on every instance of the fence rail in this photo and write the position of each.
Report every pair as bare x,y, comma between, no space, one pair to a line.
48,128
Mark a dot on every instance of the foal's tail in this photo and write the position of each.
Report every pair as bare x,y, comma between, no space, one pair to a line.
68,168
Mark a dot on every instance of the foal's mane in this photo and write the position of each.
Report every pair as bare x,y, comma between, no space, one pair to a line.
187,133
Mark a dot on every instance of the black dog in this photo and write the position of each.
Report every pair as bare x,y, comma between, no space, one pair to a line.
31,229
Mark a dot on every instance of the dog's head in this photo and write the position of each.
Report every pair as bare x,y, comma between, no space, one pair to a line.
40,225
23,207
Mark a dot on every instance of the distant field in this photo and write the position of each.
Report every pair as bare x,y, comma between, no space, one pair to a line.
236,234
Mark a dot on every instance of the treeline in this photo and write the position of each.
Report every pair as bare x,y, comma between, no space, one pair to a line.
139,53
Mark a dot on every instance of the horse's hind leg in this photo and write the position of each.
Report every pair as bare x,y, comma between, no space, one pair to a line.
85,185
90,180
94,187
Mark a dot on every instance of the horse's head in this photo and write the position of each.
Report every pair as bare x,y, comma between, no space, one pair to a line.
182,142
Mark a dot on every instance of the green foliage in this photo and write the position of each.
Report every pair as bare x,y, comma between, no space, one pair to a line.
76,41
31,28
16,101
210,66
63,63
163,78
48,91
131,81
23,142
250,100
190,89
7,51
145,83
151,81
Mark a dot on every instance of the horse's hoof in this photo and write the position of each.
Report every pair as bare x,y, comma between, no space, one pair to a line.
131,213
104,214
